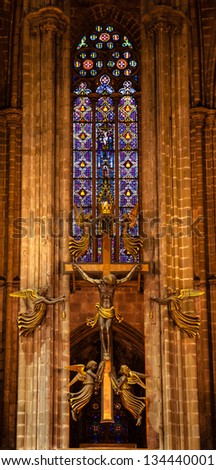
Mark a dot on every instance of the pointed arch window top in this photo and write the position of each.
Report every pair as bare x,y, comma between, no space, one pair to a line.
105,51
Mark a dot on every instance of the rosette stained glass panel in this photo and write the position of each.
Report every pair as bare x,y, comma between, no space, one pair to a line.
97,52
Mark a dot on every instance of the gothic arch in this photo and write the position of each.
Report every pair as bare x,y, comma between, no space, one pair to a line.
128,347
105,13
129,338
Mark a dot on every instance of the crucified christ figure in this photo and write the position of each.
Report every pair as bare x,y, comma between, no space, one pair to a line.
105,308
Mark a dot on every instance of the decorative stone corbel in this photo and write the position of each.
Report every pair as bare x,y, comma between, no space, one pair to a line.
48,19
163,18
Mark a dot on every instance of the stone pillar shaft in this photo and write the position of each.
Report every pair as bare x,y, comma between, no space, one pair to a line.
10,124
166,33
43,419
203,177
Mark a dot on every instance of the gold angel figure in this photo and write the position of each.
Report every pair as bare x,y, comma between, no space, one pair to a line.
91,381
28,321
132,244
122,385
79,247
187,323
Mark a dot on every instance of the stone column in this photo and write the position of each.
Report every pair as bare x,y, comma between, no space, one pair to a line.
166,122
203,197
10,131
43,419
209,172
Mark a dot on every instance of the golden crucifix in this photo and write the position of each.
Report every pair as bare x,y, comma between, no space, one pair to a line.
105,310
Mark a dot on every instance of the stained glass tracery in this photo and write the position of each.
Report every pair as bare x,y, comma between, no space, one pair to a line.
105,128
96,52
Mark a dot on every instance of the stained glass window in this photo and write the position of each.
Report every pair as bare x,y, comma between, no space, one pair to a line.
105,131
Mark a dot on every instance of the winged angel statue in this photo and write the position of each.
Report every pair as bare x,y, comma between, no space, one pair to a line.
122,385
28,321
79,247
91,381
131,244
187,323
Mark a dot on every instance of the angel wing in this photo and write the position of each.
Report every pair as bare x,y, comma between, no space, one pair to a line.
133,216
135,379
131,244
77,368
81,216
186,293
79,247
81,374
31,294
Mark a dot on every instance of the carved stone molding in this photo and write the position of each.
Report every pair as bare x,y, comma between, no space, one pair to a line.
48,19
210,119
163,18
202,117
11,117
198,117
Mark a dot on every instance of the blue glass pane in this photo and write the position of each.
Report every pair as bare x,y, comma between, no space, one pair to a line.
128,164
105,109
82,167
128,192
109,28
127,109
82,110
83,136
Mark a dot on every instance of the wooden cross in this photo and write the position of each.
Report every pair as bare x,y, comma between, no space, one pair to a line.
106,268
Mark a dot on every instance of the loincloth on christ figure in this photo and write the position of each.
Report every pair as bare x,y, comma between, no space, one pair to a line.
106,313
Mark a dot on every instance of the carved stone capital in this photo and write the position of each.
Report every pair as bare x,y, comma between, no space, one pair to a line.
163,18
198,117
203,118
48,19
11,117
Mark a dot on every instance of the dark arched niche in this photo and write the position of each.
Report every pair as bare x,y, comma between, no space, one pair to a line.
128,348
